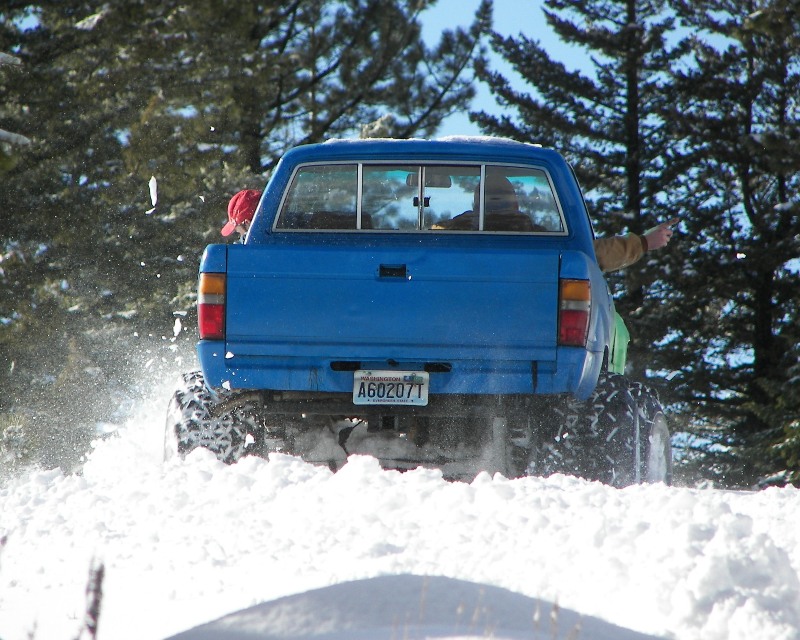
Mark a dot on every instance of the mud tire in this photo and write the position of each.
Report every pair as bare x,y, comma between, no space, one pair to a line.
598,439
198,417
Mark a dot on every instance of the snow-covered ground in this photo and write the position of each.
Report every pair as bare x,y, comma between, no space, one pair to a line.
367,553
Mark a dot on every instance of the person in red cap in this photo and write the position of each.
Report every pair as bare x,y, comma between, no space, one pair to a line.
241,210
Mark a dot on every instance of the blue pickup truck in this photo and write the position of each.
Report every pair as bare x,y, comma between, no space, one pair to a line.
428,302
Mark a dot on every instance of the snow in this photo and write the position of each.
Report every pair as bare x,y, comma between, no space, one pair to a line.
388,607
448,138
152,186
486,139
7,58
87,24
280,548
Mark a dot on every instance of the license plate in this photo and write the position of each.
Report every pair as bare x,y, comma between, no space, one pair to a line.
390,387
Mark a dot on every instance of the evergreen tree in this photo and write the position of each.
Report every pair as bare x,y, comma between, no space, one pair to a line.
706,129
608,124
734,309
203,97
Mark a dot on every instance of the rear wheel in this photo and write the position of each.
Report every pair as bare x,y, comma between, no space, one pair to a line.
225,424
656,445
599,439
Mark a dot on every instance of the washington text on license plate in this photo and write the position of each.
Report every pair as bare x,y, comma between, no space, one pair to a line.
390,387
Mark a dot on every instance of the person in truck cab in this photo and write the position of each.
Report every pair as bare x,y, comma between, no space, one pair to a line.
241,210
619,252
616,252
503,214
501,209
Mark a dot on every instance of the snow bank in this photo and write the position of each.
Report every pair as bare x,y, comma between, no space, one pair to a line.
187,542
411,607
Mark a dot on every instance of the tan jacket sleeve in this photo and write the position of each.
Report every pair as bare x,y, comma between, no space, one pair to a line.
619,252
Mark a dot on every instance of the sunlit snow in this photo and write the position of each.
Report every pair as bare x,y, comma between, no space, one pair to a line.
368,553
153,188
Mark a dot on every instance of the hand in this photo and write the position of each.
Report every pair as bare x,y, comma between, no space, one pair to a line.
659,236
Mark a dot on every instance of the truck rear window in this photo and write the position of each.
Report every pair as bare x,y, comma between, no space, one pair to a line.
421,197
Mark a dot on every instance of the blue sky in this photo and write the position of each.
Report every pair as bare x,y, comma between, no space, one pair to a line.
511,17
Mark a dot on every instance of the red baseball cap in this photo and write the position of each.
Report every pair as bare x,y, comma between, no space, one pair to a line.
241,208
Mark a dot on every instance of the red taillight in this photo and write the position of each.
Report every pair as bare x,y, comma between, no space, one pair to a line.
211,306
574,310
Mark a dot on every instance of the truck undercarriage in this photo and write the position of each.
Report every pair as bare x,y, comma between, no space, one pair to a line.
613,437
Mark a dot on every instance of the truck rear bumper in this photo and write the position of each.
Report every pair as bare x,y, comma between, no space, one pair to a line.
574,371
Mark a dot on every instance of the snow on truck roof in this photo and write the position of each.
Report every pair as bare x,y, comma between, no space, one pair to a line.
450,138
461,148
471,139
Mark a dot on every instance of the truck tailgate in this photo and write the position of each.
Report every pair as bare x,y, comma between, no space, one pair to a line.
336,303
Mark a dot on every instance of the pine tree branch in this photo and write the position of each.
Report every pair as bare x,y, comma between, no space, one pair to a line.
13,138
6,58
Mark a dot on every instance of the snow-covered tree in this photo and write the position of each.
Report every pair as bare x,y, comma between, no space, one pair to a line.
734,304
608,122
204,96
691,110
